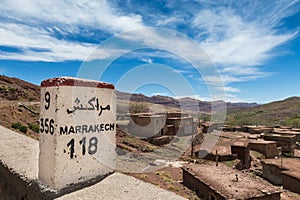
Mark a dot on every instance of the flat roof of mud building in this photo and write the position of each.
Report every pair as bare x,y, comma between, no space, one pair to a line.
286,132
240,143
223,180
278,135
291,173
151,116
179,118
261,141
291,164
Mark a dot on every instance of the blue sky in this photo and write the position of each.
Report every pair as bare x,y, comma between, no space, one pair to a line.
253,45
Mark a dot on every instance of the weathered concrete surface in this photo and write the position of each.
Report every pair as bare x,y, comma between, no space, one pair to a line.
18,165
19,172
19,153
120,186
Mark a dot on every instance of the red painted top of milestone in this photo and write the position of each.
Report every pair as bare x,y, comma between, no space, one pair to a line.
70,81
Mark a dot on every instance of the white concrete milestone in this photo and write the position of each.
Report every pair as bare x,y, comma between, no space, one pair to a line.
77,131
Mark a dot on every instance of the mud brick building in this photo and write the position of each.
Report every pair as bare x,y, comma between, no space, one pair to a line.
285,172
209,127
220,183
242,149
289,131
179,123
147,124
159,124
268,148
257,129
286,142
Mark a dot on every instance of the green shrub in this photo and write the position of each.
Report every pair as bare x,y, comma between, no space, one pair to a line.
19,127
34,127
16,125
23,129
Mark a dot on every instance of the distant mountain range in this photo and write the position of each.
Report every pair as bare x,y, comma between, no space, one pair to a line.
186,103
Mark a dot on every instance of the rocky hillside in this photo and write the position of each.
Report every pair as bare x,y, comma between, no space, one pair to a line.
284,113
14,89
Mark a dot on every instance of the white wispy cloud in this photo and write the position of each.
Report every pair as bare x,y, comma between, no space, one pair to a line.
160,94
48,48
230,89
234,40
165,20
147,60
240,38
30,25
97,14
234,98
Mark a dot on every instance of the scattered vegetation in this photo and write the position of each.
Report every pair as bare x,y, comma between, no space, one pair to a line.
165,176
139,144
288,155
256,154
137,108
172,188
205,117
231,163
280,113
20,127
143,176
